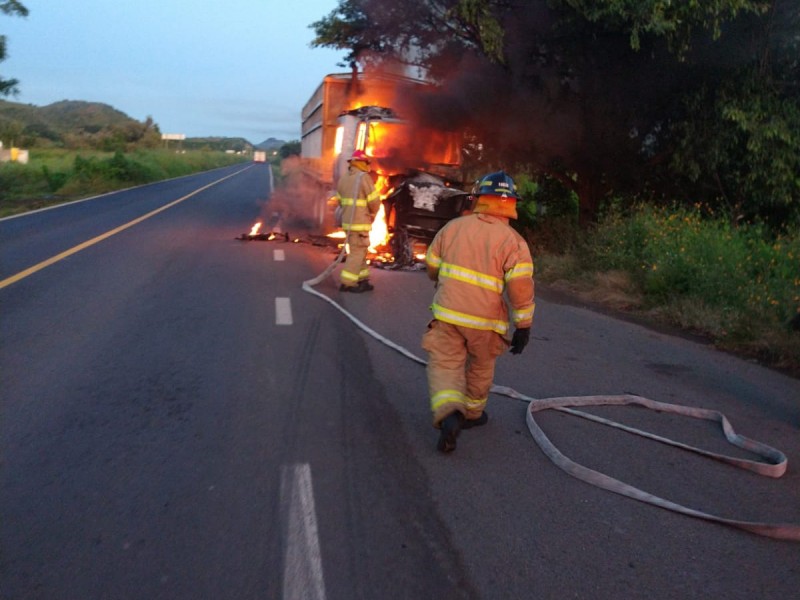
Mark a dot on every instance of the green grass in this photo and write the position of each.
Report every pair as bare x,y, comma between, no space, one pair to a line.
53,176
740,286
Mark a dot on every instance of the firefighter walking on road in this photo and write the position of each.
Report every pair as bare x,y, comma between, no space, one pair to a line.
475,260
359,202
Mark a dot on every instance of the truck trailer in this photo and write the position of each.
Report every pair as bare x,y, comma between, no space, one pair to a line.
416,168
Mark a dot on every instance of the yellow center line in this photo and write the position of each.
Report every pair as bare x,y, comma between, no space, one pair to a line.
75,249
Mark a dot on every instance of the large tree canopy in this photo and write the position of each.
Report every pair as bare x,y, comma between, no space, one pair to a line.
9,7
686,100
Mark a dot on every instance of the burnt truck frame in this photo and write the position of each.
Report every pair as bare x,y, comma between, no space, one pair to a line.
416,210
418,203
419,168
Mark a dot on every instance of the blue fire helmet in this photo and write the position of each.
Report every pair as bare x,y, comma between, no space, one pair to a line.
495,184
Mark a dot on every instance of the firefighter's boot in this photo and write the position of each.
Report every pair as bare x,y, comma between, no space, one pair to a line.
470,423
365,286
451,427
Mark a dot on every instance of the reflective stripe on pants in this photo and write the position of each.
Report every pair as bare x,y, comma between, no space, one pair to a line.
460,368
355,265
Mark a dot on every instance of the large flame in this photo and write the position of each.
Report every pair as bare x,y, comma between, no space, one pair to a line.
375,91
379,234
254,230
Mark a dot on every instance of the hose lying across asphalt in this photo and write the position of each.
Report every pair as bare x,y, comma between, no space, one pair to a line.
775,465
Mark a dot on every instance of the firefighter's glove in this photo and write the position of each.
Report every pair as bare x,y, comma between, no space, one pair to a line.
520,340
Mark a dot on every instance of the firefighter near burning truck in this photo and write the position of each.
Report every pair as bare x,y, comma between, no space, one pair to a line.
484,284
358,202
416,169
484,274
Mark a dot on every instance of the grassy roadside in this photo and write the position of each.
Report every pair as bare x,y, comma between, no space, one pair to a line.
737,287
54,176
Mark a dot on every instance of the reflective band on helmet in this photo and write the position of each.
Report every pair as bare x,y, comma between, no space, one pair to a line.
458,318
481,280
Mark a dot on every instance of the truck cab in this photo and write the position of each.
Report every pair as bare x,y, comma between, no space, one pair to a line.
416,171
416,168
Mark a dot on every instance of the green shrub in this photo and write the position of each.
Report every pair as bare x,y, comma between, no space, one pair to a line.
55,179
678,255
547,214
16,179
739,285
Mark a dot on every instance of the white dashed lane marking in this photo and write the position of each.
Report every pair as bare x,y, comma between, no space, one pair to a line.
278,255
302,573
283,311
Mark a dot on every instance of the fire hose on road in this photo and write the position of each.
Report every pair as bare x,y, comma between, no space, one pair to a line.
774,466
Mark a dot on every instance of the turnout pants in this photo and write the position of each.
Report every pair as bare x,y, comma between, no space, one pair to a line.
460,368
355,265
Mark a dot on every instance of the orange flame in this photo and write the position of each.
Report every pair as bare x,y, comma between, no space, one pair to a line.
255,228
379,234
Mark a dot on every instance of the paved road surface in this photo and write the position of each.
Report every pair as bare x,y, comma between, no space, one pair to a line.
181,420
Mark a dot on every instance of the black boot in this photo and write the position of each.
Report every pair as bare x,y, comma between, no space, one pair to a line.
365,286
470,423
451,427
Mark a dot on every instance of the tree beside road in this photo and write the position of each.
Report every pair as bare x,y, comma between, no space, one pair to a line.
686,102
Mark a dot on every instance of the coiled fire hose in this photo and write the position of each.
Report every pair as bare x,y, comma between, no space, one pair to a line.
775,465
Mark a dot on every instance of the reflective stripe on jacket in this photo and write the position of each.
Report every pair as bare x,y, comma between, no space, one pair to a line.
359,200
475,259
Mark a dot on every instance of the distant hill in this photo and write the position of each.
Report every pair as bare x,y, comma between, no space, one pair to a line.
270,144
88,116
73,124
80,124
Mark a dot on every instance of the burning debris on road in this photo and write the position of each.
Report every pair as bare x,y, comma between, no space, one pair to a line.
256,234
277,235
380,256
413,209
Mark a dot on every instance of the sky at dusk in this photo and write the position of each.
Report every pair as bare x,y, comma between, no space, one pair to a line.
234,68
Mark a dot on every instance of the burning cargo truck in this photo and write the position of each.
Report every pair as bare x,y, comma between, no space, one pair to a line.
417,169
